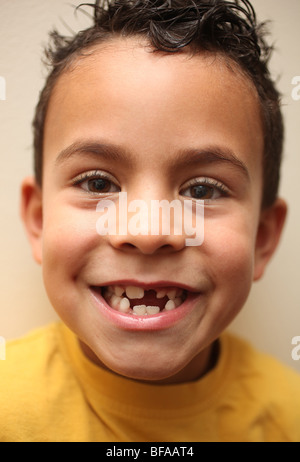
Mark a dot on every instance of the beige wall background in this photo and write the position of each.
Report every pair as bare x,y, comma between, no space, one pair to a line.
271,317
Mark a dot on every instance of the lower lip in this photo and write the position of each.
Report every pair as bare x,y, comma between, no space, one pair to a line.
161,321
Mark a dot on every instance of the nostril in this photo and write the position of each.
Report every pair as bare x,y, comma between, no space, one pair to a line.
166,247
146,249
128,246
147,244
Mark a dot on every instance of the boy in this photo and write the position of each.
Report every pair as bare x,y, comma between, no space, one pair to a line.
161,100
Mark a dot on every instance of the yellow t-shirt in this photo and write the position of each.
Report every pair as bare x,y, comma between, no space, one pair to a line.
50,392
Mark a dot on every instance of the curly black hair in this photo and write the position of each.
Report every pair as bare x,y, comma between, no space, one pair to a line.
229,28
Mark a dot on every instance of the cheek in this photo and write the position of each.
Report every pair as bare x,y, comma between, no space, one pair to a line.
69,237
229,249
228,260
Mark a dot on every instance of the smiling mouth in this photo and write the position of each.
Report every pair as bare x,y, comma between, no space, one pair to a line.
138,301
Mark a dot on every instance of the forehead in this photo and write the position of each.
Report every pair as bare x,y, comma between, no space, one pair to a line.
124,91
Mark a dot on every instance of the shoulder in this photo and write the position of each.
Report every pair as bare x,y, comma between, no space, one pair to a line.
29,354
21,348
31,377
262,368
268,387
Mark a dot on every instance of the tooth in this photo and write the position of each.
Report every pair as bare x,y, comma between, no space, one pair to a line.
135,292
152,309
118,290
172,294
170,305
139,310
124,305
177,301
161,293
115,301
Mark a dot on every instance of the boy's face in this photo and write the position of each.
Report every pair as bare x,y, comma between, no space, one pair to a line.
156,127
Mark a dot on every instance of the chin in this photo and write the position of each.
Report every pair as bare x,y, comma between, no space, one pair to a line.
154,373
142,367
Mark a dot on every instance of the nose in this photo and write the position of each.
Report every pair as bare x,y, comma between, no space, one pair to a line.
148,227
147,244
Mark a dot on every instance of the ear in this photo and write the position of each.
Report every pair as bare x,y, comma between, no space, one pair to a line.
32,215
269,231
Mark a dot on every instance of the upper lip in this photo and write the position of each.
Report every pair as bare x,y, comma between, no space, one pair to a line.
148,285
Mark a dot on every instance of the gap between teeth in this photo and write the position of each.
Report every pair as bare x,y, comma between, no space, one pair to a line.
114,296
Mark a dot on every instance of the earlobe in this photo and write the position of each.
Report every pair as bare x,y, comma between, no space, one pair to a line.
32,215
268,235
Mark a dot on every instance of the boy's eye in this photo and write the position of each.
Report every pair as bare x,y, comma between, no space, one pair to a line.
202,192
96,183
204,189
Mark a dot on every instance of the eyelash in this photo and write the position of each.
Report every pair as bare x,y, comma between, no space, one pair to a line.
208,182
95,175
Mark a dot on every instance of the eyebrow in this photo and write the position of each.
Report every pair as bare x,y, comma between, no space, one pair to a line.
181,159
106,150
210,155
